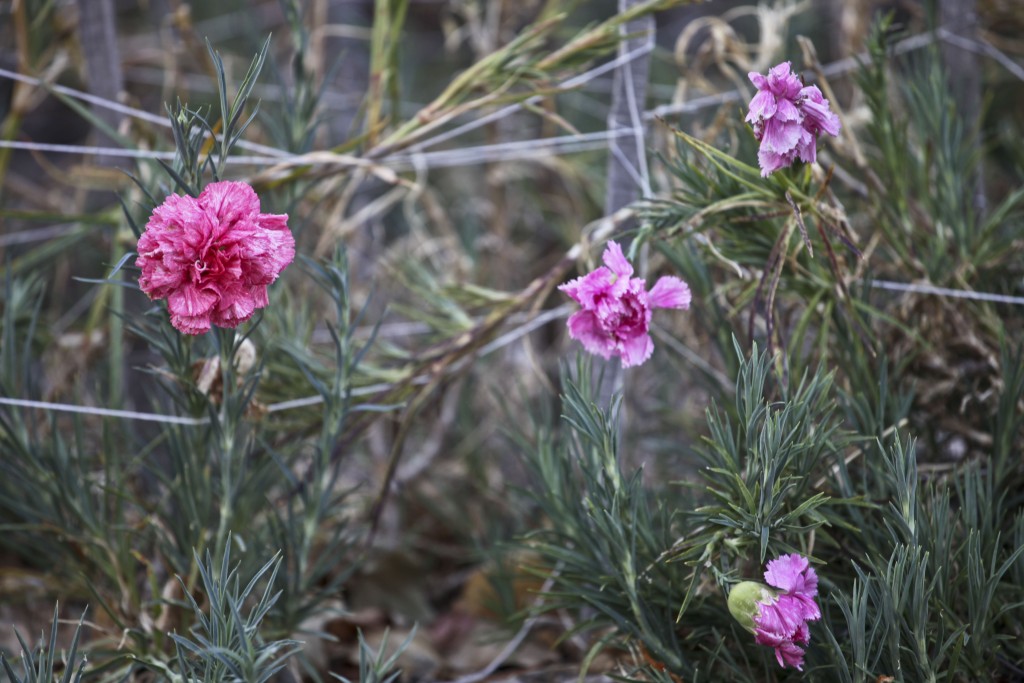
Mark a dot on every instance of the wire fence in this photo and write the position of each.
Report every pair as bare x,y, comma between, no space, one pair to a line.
420,156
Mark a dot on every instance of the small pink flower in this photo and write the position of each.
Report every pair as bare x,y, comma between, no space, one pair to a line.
778,616
616,313
787,118
212,257
782,623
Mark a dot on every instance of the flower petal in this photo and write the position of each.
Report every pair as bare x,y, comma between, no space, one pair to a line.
236,305
635,350
762,106
589,289
781,137
190,308
807,148
616,261
818,116
772,161
230,201
782,82
585,328
669,292
792,573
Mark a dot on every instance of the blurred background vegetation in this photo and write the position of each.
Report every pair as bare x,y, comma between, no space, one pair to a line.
372,477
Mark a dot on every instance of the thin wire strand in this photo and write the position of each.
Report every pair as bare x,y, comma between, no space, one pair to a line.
502,341
982,48
304,402
836,68
519,149
104,412
637,121
505,151
87,97
498,343
113,105
944,291
512,108
99,151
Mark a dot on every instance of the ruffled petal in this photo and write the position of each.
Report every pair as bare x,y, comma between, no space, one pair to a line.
774,629
590,288
669,292
790,654
789,572
156,280
635,350
175,213
782,82
616,261
191,307
199,324
781,136
807,148
818,116
585,328
235,306
230,201
762,106
787,111
772,161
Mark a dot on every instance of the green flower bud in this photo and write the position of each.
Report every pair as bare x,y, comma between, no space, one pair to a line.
744,599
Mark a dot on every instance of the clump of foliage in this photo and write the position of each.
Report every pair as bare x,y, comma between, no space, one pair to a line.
216,500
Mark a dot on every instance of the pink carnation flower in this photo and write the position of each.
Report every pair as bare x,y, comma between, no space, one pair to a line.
778,616
212,257
782,623
787,118
617,307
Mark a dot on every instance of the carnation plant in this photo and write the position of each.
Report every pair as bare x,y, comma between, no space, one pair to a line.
350,376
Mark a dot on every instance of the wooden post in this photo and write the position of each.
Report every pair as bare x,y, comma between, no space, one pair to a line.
97,36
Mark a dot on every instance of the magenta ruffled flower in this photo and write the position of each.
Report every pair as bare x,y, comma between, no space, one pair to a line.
617,308
778,616
212,257
787,118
